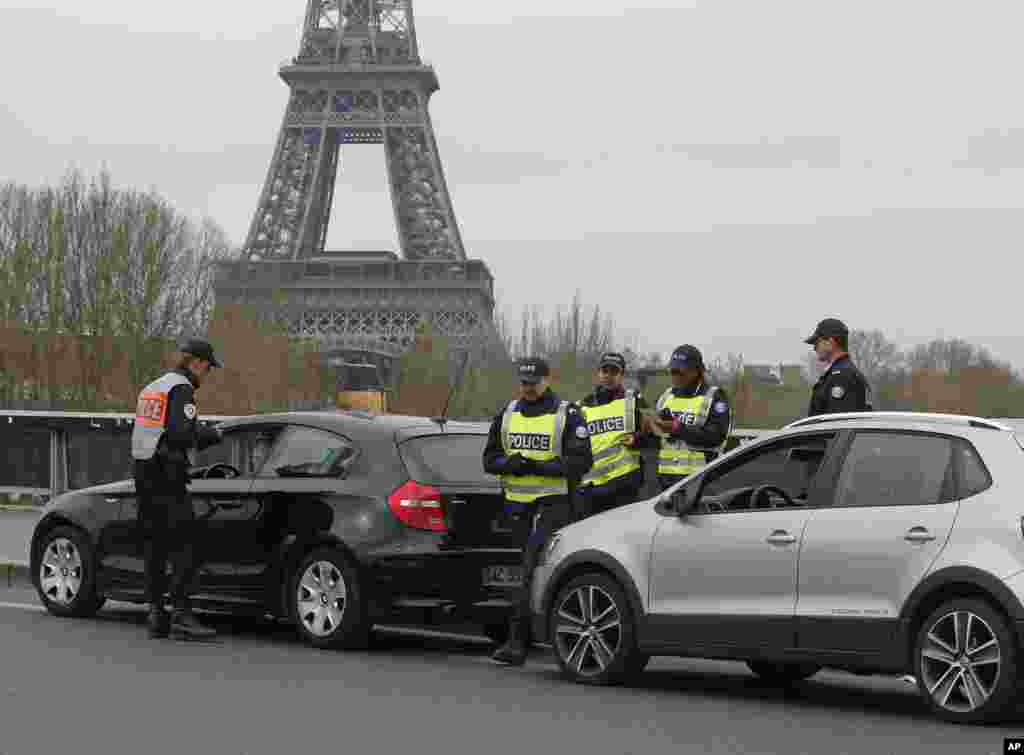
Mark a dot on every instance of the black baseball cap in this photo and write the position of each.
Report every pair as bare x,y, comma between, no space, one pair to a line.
532,370
830,327
201,349
612,359
686,356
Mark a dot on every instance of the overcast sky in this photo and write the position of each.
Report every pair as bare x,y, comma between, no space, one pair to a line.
724,173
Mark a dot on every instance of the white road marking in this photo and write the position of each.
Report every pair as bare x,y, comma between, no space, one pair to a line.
23,606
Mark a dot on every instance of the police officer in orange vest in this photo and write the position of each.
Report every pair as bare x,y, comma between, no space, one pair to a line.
539,447
164,438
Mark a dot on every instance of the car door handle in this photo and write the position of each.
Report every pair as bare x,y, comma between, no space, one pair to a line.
781,537
918,535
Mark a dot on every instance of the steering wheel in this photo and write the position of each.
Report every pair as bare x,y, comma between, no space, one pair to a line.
230,471
761,493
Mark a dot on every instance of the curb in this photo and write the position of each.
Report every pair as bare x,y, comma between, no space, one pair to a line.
15,574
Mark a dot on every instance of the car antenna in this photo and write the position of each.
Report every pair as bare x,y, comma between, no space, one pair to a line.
455,386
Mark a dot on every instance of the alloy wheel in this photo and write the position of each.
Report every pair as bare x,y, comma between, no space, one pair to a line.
960,661
588,632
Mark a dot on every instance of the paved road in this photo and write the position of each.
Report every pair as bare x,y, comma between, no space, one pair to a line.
98,685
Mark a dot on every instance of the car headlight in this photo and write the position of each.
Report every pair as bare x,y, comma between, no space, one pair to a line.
550,548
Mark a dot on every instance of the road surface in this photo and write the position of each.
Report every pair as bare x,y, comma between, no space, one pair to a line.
100,685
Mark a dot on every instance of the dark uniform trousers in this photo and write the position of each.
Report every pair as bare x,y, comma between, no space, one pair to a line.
168,530
549,514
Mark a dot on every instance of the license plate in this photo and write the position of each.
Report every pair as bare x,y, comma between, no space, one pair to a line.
503,576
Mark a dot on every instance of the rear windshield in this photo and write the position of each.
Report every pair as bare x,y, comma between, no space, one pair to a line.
447,459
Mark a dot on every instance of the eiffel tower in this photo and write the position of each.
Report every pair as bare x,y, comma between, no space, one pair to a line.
358,79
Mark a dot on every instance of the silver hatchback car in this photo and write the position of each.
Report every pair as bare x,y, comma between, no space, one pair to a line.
888,543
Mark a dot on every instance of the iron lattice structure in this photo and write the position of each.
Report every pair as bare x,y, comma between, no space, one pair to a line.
358,79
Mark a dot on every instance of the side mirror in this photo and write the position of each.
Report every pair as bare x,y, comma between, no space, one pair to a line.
683,500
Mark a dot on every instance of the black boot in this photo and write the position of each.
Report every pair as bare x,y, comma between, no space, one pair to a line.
515,650
185,626
159,622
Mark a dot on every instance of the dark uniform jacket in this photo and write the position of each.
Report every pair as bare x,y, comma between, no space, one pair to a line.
576,458
634,480
842,388
183,433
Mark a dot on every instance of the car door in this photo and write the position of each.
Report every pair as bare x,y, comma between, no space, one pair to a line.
293,492
216,504
891,515
726,574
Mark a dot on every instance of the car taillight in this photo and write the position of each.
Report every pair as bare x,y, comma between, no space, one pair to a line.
418,506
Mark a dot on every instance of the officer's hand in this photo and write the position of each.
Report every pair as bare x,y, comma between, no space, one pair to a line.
515,464
662,425
629,440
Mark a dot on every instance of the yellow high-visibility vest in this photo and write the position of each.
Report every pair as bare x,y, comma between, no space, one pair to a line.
537,438
676,457
608,425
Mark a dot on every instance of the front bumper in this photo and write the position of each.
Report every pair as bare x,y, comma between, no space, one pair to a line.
538,598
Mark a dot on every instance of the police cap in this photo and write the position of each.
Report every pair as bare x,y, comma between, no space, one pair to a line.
532,370
612,359
201,349
830,327
686,356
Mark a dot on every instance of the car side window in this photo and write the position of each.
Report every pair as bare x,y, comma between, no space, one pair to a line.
308,452
974,477
897,469
790,465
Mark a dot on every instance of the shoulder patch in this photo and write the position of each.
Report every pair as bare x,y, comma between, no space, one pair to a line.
720,407
838,392
190,411
581,432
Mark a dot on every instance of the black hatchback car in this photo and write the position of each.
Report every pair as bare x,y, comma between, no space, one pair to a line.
332,520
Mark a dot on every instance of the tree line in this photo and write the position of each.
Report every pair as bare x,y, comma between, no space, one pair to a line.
93,276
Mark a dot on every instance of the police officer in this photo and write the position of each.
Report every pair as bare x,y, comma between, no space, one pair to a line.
540,449
617,434
695,419
164,438
841,387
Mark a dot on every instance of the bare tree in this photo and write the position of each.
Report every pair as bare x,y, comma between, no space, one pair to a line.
119,270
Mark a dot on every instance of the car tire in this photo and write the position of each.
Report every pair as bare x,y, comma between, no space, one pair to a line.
65,575
598,645
783,673
326,601
977,681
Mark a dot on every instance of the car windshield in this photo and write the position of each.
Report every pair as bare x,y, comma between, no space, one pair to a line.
447,459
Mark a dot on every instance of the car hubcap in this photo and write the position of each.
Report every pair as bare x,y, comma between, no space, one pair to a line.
60,573
588,631
321,598
960,662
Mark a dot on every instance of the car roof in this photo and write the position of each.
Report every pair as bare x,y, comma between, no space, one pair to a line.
888,420
356,422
